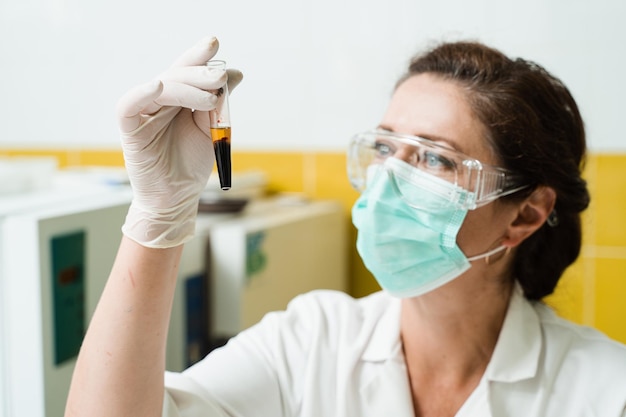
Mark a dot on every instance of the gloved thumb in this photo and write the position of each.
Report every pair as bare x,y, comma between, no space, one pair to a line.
137,101
234,78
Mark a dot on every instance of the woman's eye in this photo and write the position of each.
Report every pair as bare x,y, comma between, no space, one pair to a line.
383,150
433,160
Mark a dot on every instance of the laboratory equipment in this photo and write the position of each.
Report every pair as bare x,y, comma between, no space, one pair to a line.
280,248
221,130
57,247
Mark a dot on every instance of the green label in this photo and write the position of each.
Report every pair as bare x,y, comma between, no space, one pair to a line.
68,294
256,259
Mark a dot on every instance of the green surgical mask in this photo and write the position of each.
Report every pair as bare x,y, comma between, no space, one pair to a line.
409,251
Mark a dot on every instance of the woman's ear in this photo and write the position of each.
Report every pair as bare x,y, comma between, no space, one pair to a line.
531,215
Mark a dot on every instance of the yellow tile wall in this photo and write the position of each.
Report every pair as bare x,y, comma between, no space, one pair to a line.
592,291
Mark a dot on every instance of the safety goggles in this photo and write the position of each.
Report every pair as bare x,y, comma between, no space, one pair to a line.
412,161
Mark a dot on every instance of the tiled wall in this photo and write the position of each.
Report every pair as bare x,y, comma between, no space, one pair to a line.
592,291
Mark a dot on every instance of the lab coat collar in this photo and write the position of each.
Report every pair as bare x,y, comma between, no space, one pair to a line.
388,392
385,340
515,357
518,349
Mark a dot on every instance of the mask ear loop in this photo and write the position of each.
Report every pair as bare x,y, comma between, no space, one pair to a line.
506,252
486,255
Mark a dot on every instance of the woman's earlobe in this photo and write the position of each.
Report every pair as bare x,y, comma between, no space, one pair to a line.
533,212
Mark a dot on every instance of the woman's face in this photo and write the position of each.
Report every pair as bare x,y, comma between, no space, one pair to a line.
431,107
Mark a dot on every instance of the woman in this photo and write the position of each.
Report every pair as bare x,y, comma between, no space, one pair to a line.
469,213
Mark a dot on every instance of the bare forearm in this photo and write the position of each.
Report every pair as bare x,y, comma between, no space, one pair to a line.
120,367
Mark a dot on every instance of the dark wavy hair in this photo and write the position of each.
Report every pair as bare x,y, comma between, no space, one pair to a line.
537,131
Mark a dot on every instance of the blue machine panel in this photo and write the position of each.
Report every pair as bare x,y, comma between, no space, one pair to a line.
196,332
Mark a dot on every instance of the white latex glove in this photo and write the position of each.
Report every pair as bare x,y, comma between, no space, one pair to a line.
167,147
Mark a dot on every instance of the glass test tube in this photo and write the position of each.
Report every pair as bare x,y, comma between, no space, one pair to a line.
220,130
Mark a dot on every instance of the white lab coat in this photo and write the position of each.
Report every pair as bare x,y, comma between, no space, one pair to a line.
331,355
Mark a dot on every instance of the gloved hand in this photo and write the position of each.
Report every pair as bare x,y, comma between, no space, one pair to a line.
167,146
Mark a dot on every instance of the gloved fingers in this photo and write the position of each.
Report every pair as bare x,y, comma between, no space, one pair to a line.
203,121
198,54
196,76
183,95
202,118
203,78
234,78
137,101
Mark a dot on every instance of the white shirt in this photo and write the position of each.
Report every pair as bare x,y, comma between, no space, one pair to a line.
331,355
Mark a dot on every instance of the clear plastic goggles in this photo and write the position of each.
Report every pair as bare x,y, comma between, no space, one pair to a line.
412,161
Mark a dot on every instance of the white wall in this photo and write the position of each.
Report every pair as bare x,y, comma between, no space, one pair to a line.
316,71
